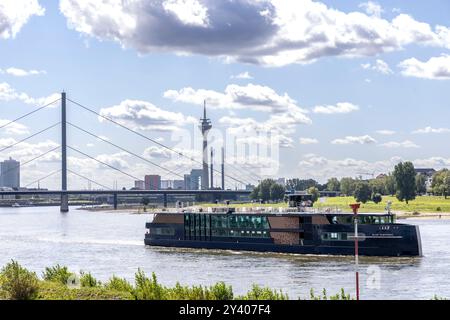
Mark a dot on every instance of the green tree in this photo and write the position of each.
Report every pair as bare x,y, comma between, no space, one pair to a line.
377,198
315,194
421,187
389,185
348,186
333,184
405,180
277,192
263,190
378,185
441,183
18,282
362,191
300,185
255,193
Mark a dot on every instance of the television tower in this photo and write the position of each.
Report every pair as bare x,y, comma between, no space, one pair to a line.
205,126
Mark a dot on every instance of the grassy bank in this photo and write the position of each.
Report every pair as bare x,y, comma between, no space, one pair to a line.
58,283
420,205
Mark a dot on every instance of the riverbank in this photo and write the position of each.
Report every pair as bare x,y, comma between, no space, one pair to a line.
58,283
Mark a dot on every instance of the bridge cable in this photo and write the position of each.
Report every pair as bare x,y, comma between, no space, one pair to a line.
29,137
104,163
125,150
27,162
28,114
90,180
147,138
43,178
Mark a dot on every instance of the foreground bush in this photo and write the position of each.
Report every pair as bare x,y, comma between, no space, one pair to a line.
60,284
57,274
258,293
18,283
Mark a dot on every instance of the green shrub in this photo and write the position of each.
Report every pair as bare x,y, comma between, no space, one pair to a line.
18,282
148,289
438,209
88,281
49,290
324,296
57,274
220,291
119,284
259,293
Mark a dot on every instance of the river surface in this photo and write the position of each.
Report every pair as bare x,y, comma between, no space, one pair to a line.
112,243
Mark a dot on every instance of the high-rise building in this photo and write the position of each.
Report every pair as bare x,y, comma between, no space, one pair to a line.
10,174
166,184
187,182
152,182
194,180
178,185
139,185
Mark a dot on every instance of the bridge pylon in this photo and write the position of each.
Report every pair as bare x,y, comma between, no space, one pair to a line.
64,196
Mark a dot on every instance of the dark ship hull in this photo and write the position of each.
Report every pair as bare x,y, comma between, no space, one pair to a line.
294,233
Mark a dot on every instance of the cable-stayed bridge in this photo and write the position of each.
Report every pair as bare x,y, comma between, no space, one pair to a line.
245,176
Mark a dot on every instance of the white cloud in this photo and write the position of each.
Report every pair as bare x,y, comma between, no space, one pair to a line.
379,66
155,152
431,130
17,72
405,144
355,140
339,108
266,32
145,116
437,68
386,132
14,128
308,141
372,8
27,151
8,93
243,75
189,12
249,97
15,14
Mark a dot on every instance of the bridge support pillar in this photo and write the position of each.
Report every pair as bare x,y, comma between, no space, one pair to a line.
115,201
165,200
64,203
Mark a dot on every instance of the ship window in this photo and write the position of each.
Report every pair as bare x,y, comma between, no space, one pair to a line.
334,236
163,231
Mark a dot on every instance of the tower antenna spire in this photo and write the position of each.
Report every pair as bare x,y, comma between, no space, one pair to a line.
204,109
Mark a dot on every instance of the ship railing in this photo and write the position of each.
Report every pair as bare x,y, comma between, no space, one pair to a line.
257,210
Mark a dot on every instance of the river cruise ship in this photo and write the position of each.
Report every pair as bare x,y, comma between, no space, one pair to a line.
299,229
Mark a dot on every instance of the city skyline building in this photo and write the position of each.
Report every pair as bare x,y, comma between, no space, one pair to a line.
152,182
10,174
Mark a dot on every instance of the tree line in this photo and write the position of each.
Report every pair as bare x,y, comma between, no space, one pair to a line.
403,182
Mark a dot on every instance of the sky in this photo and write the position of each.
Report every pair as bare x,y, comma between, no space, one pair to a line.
307,89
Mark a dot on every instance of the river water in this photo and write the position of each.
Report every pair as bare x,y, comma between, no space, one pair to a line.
112,243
